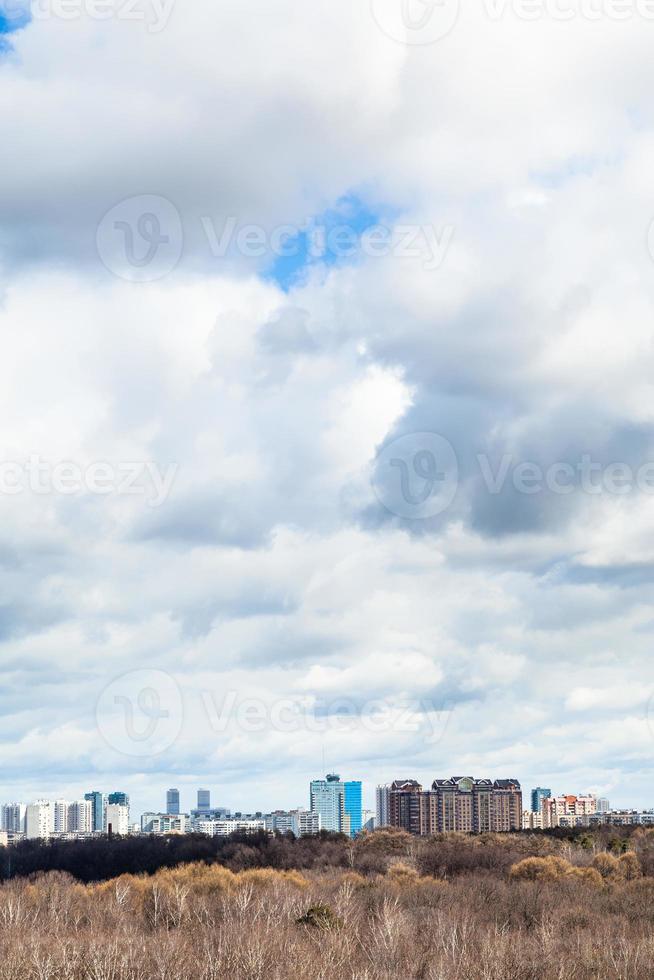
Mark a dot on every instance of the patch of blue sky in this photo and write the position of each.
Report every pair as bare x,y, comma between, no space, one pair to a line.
14,14
330,239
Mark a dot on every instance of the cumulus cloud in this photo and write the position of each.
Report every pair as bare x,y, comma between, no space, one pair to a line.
507,634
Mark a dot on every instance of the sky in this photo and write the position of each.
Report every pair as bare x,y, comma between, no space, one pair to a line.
326,409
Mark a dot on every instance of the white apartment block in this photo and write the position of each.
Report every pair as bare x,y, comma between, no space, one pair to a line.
117,819
39,820
557,808
80,817
76,817
531,820
625,818
305,823
164,823
59,816
301,823
223,828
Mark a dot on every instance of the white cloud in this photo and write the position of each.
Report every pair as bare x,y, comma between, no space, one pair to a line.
271,569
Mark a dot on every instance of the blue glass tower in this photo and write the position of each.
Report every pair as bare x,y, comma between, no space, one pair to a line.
354,806
118,799
98,801
537,796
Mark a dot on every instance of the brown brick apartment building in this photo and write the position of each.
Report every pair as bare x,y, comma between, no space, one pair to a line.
460,803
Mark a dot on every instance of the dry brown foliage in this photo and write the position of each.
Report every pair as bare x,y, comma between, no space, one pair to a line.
546,916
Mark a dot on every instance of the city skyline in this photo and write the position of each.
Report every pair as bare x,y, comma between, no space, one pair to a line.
465,804
263,803
294,423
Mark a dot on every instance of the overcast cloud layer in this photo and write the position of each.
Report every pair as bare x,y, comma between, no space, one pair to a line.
505,631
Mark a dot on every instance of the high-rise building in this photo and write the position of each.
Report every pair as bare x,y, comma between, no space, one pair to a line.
118,799
12,817
80,817
404,806
327,797
60,816
353,807
603,805
382,801
204,801
506,806
117,819
457,804
172,802
39,820
99,802
537,796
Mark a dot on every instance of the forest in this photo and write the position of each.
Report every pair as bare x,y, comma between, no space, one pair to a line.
529,906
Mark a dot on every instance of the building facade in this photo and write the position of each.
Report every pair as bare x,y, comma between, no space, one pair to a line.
117,819
39,820
80,817
382,805
405,805
164,823
223,828
369,820
327,797
301,823
460,803
172,802
353,806
118,799
12,817
538,795
99,802
561,811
